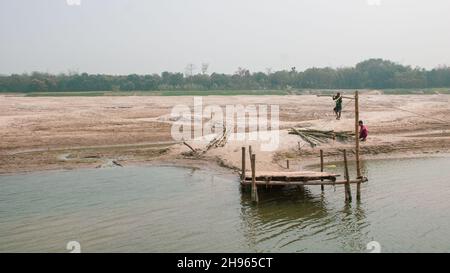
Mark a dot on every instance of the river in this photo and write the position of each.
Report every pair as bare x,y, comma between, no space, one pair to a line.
405,207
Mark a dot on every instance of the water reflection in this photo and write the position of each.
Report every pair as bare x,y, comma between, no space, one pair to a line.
287,219
352,227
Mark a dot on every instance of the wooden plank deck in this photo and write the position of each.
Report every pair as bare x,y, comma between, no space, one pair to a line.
302,183
291,176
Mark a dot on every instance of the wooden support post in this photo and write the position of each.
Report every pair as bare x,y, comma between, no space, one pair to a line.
254,187
243,164
348,193
321,167
250,153
287,164
358,168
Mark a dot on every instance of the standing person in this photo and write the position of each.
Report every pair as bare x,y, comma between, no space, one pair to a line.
363,132
338,108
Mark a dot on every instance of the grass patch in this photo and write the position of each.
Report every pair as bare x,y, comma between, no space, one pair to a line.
66,94
426,91
399,91
158,93
222,93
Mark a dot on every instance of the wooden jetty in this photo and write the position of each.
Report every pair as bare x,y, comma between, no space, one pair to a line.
296,179
304,178
268,179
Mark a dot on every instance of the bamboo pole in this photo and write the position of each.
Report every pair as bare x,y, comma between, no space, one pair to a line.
358,168
254,188
321,168
348,193
243,164
345,97
250,153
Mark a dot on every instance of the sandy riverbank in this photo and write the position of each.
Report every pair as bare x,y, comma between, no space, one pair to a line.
41,133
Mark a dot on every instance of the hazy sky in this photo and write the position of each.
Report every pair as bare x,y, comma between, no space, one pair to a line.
150,36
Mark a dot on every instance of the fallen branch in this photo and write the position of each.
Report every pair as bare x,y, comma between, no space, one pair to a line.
218,141
194,151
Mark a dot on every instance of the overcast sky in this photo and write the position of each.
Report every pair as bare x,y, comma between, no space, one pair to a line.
151,36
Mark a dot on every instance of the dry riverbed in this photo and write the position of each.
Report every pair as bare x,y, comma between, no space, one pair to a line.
41,133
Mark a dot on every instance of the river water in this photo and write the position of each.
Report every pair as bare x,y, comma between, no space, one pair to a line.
405,207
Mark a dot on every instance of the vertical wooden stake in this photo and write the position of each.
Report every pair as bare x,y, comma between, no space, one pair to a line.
358,168
254,188
250,153
287,164
243,164
321,167
348,193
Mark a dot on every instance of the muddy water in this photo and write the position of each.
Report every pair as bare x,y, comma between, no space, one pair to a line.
405,207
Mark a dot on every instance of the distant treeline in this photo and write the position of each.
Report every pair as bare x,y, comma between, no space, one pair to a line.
370,74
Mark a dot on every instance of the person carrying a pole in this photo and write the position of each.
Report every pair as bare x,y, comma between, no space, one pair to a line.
338,108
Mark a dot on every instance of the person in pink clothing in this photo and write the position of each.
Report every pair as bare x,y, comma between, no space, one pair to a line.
363,132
